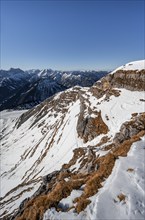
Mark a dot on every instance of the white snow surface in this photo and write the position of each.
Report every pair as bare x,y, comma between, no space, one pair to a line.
30,152
135,65
105,204
119,109
8,116
23,148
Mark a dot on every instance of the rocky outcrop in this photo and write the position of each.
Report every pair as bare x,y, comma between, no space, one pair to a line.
99,89
90,127
90,123
128,79
130,128
94,127
132,80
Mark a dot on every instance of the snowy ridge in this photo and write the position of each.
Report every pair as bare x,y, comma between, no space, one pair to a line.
135,65
67,151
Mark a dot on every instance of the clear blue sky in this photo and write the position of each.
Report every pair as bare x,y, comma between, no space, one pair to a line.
68,35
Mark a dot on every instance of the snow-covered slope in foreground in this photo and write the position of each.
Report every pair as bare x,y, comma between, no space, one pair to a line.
122,195
123,192
69,157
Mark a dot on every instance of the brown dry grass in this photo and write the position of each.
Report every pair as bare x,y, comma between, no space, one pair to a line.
123,149
106,164
82,204
134,114
121,197
35,208
103,140
100,126
78,153
108,147
130,170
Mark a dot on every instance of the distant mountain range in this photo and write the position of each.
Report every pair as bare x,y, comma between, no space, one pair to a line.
25,89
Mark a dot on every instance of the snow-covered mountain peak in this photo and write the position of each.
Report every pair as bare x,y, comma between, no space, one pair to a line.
135,65
42,73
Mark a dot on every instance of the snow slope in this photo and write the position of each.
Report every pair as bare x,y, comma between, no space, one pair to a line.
127,178
42,140
135,65
28,145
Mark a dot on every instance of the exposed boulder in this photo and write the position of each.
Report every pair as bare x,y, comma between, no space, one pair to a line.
130,128
88,128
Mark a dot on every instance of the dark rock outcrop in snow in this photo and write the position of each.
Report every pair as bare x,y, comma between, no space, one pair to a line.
90,127
129,79
130,128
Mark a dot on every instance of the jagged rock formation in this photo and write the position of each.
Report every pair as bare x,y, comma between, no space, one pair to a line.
128,129
128,79
88,128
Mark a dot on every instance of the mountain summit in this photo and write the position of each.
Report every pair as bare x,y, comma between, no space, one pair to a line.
79,154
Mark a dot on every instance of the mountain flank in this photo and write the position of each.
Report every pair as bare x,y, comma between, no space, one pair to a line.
78,154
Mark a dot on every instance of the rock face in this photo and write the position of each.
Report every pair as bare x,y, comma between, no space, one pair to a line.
131,80
88,128
90,123
105,87
128,129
